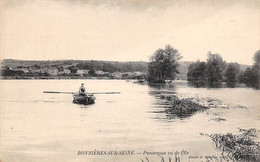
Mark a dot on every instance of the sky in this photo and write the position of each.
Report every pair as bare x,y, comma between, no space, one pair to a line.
129,30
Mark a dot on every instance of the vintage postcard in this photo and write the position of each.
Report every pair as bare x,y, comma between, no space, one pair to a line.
129,80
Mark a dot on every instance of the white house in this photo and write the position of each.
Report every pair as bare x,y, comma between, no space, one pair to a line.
100,72
117,75
82,72
65,71
53,71
137,73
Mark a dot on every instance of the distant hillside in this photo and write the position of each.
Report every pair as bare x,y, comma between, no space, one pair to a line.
106,66
183,69
243,67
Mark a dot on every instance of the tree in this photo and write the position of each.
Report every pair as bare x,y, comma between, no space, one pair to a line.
92,72
215,69
163,64
231,74
257,57
240,77
196,73
256,70
73,69
249,77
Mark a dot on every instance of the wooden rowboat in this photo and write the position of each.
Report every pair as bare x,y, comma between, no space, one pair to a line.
84,98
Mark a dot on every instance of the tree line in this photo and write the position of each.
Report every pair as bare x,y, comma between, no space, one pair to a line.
251,76
164,64
113,66
215,71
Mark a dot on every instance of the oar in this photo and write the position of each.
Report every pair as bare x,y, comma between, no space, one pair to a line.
87,93
59,92
105,93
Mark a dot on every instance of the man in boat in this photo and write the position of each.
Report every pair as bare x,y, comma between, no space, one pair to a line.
82,89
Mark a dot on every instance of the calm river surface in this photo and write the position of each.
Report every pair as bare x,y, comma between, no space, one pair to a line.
48,127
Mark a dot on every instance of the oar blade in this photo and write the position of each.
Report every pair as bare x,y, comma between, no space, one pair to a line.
58,92
105,93
75,92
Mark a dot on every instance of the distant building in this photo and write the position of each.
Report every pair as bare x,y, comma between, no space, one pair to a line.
53,71
73,69
6,68
34,69
116,75
60,68
100,72
22,69
138,73
25,70
64,72
82,72
44,70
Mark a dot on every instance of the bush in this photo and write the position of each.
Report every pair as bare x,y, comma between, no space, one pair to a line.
183,107
240,147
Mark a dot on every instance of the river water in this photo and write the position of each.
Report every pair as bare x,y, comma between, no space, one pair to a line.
49,127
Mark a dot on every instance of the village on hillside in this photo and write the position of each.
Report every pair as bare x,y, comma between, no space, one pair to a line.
79,69
64,72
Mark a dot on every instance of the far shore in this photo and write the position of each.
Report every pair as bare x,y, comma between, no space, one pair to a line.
57,77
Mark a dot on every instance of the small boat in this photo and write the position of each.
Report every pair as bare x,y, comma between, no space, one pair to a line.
84,98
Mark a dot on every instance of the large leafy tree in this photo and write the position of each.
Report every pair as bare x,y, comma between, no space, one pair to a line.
257,57
256,70
197,73
231,74
163,65
251,76
215,69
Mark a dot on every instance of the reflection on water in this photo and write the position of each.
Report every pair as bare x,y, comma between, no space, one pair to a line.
49,127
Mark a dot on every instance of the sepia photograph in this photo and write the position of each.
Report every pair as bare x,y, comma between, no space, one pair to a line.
130,81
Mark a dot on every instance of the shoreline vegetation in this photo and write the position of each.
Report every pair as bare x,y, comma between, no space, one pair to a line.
238,147
164,64
215,71
185,106
53,78
182,107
